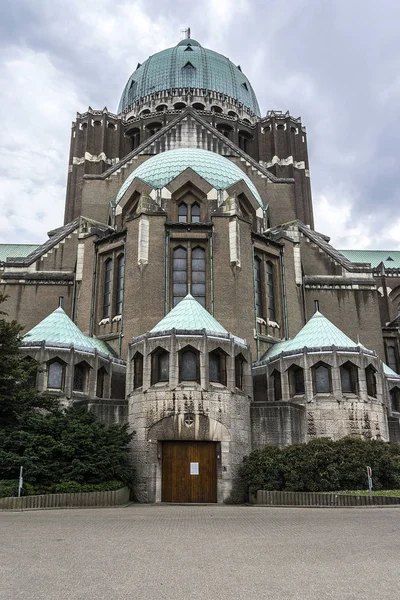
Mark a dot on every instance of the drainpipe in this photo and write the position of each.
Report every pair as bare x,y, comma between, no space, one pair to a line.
212,273
255,308
94,276
166,307
285,312
121,331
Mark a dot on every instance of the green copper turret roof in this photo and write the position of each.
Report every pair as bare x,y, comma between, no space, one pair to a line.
189,315
317,332
218,171
390,258
58,328
188,65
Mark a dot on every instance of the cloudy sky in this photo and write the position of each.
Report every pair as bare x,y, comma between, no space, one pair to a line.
334,63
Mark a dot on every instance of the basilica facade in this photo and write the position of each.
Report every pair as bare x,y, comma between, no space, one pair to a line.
188,293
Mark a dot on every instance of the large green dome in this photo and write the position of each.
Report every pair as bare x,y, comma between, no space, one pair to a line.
189,65
158,171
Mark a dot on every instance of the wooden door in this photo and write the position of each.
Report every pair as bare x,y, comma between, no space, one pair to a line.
189,472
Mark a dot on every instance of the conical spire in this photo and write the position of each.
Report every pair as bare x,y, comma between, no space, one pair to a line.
316,333
189,315
57,327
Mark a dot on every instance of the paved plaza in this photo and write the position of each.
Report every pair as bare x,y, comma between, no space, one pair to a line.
200,552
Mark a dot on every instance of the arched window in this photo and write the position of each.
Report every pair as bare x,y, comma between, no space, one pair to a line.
225,130
137,370
296,380
371,381
134,134
179,275
258,287
198,106
80,377
199,275
107,288
182,213
159,366
161,107
216,109
270,292
322,379
55,375
152,128
395,399
189,366
392,358
239,371
217,367
100,383
349,378
277,381
119,296
245,141
195,213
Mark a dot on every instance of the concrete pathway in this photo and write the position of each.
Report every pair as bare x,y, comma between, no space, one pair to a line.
200,552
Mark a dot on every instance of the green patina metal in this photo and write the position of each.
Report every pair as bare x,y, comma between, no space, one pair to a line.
189,315
161,169
318,332
58,328
16,250
189,65
390,258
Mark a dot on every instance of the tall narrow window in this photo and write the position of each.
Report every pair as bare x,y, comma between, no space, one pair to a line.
239,370
199,275
349,378
392,358
100,383
371,381
159,366
296,380
322,379
119,297
179,275
277,385
395,399
107,288
217,367
80,377
258,287
270,292
195,213
55,375
182,213
188,366
137,370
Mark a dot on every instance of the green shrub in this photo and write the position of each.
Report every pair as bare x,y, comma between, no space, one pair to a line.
73,487
323,465
8,488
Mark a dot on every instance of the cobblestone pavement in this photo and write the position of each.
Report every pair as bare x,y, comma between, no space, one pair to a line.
200,552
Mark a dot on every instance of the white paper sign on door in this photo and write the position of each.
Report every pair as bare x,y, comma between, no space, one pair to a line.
194,468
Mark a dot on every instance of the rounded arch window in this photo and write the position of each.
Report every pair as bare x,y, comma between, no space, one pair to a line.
161,107
97,123
152,128
179,105
216,109
226,130
232,113
198,106
144,112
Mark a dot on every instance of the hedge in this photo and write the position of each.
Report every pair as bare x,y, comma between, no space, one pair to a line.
323,465
9,488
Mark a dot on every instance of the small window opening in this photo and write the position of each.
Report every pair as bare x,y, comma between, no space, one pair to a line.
55,375
137,370
371,381
217,367
189,366
322,379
